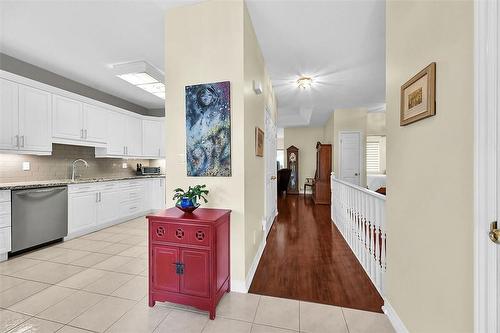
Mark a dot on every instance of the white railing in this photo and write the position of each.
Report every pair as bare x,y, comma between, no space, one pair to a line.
359,214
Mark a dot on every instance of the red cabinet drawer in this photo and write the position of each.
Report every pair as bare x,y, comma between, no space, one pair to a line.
181,233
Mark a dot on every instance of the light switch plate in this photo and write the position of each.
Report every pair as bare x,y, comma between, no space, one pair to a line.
26,166
124,165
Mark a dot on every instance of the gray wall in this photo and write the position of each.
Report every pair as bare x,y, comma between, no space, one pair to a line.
16,66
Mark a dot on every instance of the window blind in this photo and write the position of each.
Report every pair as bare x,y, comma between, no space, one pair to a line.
373,156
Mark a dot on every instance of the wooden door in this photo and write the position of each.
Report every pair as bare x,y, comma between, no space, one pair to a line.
195,280
82,211
164,272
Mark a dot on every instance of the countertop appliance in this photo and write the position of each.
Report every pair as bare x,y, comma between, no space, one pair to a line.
147,171
39,216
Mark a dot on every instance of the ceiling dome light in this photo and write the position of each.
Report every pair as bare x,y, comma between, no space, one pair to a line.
304,82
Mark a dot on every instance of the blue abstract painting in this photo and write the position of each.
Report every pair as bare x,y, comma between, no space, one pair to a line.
208,129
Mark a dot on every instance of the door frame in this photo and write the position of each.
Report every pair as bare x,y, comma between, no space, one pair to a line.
486,145
267,224
361,157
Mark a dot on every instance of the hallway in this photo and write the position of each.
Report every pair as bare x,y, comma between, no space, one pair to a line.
307,259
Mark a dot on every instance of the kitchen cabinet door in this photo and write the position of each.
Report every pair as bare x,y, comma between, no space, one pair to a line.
159,193
35,120
116,134
165,276
151,138
108,209
9,115
134,136
67,118
95,123
196,278
82,211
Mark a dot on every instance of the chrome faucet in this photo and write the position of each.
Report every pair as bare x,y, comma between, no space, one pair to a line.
74,166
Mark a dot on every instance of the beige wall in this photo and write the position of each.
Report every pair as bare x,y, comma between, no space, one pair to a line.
304,138
204,43
255,105
375,123
430,169
58,165
350,120
208,42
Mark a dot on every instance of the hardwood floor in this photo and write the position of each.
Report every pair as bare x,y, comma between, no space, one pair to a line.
306,258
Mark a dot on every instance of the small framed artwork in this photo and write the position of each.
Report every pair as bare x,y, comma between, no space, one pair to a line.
259,142
418,96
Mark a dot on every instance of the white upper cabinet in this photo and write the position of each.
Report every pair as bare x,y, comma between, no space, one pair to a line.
117,123
95,123
151,138
9,115
133,137
67,120
35,114
73,120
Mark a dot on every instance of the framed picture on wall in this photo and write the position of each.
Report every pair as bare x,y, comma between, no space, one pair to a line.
259,142
418,96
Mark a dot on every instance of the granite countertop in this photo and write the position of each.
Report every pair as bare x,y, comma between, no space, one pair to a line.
64,182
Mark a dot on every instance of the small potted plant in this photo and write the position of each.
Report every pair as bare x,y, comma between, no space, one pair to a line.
187,201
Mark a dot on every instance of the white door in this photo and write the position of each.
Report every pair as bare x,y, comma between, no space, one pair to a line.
116,133
270,172
95,123
82,211
67,120
35,121
134,136
350,157
9,115
151,138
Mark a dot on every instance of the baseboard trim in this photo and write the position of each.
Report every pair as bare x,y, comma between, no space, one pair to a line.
238,286
396,322
255,263
241,286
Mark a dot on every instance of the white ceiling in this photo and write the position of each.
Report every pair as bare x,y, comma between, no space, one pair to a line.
81,39
341,44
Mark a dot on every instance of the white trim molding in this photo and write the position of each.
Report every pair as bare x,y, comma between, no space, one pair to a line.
243,286
486,298
396,322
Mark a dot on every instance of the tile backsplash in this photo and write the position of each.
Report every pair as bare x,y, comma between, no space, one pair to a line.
58,165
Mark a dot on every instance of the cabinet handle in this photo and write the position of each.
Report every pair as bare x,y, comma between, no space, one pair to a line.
22,141
179,268
97,197
81,133
85,134
17,141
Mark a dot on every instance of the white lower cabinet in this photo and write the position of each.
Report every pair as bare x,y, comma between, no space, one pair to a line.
98,205
82,211
5,224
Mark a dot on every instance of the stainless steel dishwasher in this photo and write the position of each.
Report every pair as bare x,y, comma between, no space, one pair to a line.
39,216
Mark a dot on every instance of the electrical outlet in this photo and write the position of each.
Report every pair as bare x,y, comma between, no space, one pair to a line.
26,166
124,165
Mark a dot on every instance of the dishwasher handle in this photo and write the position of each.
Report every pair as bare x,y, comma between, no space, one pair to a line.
44,191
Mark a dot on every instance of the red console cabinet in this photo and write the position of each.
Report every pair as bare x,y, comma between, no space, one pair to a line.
189,257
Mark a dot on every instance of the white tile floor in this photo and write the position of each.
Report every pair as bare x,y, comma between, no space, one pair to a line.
98,283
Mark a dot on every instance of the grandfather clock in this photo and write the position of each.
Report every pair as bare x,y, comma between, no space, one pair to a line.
292,162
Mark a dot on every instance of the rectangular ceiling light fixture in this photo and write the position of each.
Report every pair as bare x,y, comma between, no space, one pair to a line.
142,75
